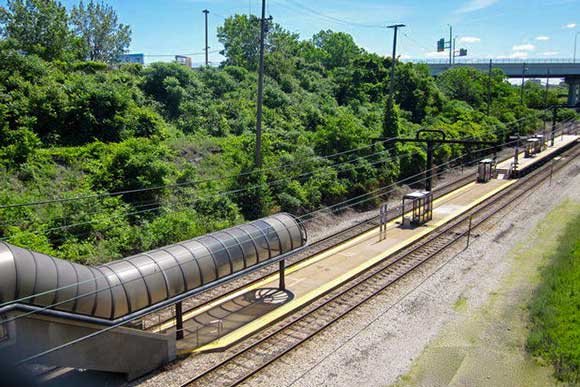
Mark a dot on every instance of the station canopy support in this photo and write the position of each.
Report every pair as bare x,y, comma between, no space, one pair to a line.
431,138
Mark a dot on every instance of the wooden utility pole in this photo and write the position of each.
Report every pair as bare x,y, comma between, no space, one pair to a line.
258,156
395,27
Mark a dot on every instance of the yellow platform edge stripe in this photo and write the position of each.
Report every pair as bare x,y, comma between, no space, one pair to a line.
300,265
280,312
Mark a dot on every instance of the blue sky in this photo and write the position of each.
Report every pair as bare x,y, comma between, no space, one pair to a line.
487,28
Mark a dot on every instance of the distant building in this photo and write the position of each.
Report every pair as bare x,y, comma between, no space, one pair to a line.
132,58
183,60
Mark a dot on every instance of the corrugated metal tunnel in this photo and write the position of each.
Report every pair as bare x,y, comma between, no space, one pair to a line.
125,286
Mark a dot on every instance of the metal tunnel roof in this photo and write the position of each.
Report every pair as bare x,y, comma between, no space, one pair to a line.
128,285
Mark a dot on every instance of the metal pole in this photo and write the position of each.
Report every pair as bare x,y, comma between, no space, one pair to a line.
516,153
489,87
554,117
469,231
450,44
395,27
282,275
454,39
206,12
546,103
429,172
258,156
178,321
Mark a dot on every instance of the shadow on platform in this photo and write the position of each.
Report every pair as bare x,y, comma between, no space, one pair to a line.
231,315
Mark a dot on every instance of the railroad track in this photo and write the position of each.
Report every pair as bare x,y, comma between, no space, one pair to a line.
152,322
255,354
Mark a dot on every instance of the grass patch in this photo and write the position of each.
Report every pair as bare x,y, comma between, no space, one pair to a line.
555,308
460,305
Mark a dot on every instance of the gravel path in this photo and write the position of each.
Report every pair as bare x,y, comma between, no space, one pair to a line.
379,342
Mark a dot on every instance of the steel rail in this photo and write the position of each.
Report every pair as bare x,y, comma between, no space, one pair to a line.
312,249
443,238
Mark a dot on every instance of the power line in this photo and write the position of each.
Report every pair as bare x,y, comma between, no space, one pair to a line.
331,208
177,185
220,194
157,205
83,338
305,9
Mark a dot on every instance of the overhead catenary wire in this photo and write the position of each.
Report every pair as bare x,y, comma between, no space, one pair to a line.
56,304
332,208
199,181
182,184
220,194
301,7
156,206
80,339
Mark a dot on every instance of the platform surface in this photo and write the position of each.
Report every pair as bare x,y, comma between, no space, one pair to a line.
524,162
313,277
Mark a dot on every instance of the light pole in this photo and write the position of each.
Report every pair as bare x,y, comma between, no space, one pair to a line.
395,27
206,12
450,44
258,155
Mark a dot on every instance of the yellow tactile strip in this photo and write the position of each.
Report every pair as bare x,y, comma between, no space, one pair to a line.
271,317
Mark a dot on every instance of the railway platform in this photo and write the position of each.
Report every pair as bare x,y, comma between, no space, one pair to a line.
313,277
561,143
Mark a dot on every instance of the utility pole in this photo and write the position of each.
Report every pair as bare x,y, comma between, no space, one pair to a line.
258,156
450,44
395,27
206,12
489,87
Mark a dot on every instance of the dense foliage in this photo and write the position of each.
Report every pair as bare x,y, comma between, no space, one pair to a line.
72,128
554,312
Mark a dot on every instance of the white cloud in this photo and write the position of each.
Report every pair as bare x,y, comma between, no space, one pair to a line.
515,55
469,39
570,25
542,38
436,54
550,53
524,47
404,56
475,5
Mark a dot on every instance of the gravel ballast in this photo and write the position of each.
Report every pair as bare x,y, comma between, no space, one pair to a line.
378,343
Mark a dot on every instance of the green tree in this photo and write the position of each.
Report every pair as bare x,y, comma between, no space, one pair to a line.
38,27
240,36
102,37
335,49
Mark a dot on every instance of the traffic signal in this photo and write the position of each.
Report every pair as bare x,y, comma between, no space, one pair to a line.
462,52
441,45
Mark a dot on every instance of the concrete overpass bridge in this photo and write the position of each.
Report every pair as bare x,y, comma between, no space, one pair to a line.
513,68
